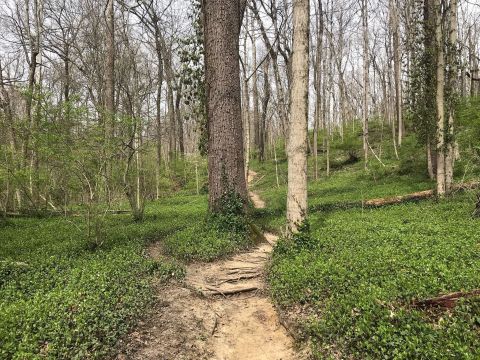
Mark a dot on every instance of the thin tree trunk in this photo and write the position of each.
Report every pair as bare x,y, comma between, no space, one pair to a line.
172,150
318,85
265,102
453,84
397,68
246,106
110,72
281,97
440,95
366,67
431,170
158,110
256,112
179,121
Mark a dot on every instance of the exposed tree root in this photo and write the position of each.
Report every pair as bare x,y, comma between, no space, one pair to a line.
234,291
239,324
238,278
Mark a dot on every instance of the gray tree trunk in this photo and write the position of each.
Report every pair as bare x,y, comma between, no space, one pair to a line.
297,141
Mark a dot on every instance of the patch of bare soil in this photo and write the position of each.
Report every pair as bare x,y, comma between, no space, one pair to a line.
220,311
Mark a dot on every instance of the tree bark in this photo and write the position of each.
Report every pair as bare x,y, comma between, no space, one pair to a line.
453,86
265,102
318,85
440,96
222,73
366,66
246,107
179,121
256,112
297,141
158,108
397,68
110,71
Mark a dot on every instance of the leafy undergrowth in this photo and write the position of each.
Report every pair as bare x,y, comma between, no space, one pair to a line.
361,271
214,236
61,299
345,188
205,241
357,272
64,296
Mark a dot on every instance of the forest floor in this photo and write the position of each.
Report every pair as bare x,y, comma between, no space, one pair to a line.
221,310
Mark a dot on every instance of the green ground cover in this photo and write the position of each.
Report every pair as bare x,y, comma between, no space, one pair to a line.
357,272
362,270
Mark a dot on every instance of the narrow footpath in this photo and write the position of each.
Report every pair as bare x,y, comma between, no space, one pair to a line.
220,311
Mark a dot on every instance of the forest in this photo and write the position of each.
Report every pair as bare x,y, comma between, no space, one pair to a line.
239,179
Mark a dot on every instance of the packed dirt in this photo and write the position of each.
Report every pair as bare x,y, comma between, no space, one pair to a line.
221,311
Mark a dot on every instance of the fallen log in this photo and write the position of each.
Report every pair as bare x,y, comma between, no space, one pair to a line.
45,213
420,195
399,199
447,301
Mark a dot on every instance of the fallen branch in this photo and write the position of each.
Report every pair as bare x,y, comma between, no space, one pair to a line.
49,203
447,301
59,213
376,157
215,324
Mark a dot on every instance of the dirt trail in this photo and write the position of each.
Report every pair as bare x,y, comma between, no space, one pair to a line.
221,311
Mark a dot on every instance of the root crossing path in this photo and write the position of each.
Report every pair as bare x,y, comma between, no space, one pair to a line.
221,312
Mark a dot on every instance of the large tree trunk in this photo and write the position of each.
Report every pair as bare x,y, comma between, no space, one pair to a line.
222,74
297,142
